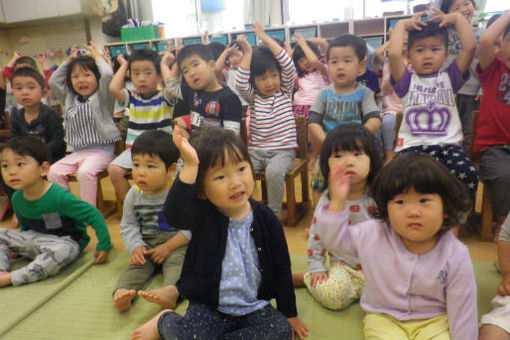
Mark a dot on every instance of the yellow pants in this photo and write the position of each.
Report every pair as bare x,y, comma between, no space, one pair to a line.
384,327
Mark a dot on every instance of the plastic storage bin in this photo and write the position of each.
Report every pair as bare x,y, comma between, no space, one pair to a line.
139,33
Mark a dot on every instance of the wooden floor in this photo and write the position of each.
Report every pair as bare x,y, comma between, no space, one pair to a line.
296,237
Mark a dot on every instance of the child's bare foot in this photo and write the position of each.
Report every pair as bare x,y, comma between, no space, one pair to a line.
166,296
122,299
298,279
5,279
149,330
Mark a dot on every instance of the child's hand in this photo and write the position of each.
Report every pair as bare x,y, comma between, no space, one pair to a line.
101,256
168,58
245,45
504,287
319,277
299,328
74,52
414,23
205,38
258,28
138,256
299,39
188,153
41,57
338,187
159,254
93,50
122,61
17,55
445,19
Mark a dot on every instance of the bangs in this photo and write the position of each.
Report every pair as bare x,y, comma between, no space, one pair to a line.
231,154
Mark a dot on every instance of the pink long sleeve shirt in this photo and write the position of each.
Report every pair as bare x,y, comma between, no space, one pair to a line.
403,284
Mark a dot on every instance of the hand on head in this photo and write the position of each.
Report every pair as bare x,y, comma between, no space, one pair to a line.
245,45
188,153
415,22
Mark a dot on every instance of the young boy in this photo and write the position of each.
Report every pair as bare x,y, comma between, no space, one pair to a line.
344,102
35,118
208,102
431,122
53,221
148,108
493,127
148,238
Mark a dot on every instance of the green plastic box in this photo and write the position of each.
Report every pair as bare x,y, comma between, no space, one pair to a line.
139,33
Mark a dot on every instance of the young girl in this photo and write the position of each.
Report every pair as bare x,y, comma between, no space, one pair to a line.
81,85
226,69
265,79
466,98
312,74
419,279
237,259
336,286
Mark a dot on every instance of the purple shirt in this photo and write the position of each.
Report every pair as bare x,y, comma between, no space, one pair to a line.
405,285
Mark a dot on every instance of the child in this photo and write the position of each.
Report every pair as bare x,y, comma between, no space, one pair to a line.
431,121
148,238
419,279
81,85
147,107
343,102
493,127
466,98
496,324
265,79
19,61
36,118
312,74
340,283
232,234
209,104
53,221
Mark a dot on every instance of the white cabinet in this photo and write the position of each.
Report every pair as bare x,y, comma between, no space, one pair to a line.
46,8
68,7
19,10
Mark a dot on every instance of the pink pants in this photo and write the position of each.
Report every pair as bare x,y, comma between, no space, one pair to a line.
86,165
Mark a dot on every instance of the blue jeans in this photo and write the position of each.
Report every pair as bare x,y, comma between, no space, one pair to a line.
203,322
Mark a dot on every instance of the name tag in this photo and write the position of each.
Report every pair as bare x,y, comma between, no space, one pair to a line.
196,119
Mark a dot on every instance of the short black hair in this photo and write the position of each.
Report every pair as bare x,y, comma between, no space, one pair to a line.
200,50
25,60
350,137
358,45
262,60
29,145
217,49
425,175
156,143
146,55
85,61
213,146
299,53
446,4
29,72
432,29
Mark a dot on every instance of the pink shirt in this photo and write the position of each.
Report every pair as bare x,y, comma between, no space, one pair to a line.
391,102
405,285
308,87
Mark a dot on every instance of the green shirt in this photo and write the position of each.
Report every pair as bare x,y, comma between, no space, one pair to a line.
60,213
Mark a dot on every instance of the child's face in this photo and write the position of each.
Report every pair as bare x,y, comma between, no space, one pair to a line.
268,83
144,77
356,163
305,65
27,91
84,81
427,55
198,73
417,218
344,66
229,187
464,7
22,172
150,174
234,58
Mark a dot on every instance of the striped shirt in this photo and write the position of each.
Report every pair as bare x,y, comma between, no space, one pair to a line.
272,123
154,113
81,131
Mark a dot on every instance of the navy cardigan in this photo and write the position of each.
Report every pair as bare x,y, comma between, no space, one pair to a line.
201,271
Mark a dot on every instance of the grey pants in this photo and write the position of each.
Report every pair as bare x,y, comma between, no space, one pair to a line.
50,253
135,277
495,173
276,164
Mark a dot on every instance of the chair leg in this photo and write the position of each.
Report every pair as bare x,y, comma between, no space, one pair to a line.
305,188
486,214
263,187
291,201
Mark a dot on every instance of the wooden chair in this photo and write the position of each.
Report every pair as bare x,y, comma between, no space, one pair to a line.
486,230
295,210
